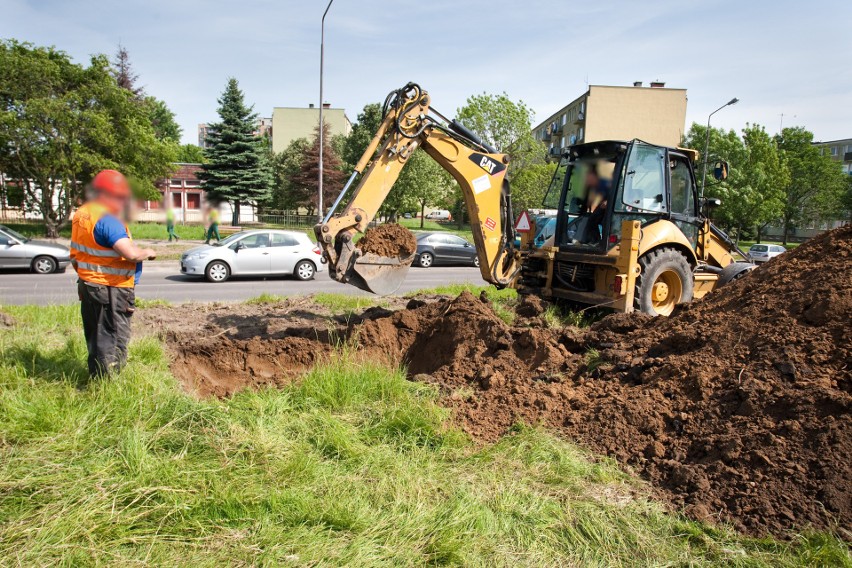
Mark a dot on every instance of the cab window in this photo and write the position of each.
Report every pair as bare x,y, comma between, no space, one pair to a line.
643,182
683,200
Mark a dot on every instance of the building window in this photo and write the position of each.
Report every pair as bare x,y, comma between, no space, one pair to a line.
564,120
177,200
192,183
193,201
176,183
14,195
833,150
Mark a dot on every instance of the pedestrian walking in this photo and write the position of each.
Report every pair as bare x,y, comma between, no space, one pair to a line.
170,224
213,228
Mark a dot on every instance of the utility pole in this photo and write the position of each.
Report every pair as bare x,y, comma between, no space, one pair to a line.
321,125
733,101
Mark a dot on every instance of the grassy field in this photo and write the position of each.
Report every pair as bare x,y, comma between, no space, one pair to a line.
354,465
432,226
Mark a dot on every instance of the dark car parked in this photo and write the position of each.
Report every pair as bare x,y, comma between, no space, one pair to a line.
441,248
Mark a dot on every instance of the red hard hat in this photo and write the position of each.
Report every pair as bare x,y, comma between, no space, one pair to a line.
112,182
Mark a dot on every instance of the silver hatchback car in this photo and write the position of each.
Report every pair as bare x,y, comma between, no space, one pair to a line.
259,252
763,253
42,257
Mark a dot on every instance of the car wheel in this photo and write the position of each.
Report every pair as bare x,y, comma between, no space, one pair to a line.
426,259
217,271
44,265
305,270
476,261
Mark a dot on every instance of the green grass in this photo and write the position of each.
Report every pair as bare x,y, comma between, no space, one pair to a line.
352,466
266,298
154,231
556,316
345,304
156,303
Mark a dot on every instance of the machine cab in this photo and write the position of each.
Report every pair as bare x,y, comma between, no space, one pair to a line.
599,185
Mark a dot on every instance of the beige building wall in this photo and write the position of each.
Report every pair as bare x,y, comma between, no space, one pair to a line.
653,114
289,123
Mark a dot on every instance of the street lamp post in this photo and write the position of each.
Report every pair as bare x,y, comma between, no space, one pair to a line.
321,146
733,101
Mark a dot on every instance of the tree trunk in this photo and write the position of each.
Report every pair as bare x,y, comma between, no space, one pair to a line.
235,217
759,232
422,213
786,230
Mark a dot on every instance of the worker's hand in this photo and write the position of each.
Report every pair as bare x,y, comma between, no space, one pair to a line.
149,253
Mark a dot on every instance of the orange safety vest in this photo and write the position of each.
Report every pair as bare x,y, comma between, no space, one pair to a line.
94,263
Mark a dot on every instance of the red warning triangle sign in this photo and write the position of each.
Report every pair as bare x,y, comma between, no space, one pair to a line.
522,225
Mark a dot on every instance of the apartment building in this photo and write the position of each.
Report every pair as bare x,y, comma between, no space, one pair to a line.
292,123
655,114
264,128
840,151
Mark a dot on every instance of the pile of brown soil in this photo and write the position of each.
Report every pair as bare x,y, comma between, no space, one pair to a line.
390,240
737,407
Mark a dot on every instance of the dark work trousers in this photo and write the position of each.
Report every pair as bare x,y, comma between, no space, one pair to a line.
106,315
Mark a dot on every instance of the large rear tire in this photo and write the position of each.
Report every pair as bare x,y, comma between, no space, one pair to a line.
665,281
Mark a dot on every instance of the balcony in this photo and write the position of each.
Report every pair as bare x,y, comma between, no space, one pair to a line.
847,157
581,116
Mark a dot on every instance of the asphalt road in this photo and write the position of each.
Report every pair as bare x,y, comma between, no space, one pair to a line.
162,280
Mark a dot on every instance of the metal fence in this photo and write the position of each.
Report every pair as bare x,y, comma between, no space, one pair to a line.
286,219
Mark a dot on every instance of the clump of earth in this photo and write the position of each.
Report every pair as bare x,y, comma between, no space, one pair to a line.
735,408
389,239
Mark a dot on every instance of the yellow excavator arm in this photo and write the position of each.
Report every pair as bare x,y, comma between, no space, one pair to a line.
409,123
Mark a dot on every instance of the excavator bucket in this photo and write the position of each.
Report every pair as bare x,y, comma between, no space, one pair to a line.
380,275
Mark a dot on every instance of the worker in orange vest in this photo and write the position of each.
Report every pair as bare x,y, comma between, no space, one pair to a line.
108,265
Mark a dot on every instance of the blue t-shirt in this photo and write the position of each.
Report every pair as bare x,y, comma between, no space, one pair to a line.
108,231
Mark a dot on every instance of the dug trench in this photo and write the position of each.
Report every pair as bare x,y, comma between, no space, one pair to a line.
736,408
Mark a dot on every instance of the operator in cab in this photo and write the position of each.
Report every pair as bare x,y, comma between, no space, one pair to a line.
598,189
108,266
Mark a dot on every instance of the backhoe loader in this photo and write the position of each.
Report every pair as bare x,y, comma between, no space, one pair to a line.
631,228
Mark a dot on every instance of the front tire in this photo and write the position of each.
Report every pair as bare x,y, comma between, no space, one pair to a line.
426,260
305,270
44,265
476,261
665,281
217,272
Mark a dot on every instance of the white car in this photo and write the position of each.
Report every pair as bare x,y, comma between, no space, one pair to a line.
763,253
259,252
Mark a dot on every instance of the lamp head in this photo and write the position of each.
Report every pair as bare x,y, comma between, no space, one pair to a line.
733,101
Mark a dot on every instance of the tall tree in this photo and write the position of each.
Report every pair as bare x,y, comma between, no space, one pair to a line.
125,76
362,132
816,183
286,196
305,182
61,122
751,196
507,126
190,154
236,170
162,120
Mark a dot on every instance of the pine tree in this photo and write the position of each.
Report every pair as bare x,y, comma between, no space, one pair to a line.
236,170
305,183
124,75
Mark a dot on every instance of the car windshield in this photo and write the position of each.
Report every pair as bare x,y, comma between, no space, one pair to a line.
13,234
759,248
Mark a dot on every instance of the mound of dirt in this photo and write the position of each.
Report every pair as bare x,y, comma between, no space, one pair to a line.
738,407
390,240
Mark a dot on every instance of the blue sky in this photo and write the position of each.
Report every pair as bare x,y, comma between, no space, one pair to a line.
776,56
